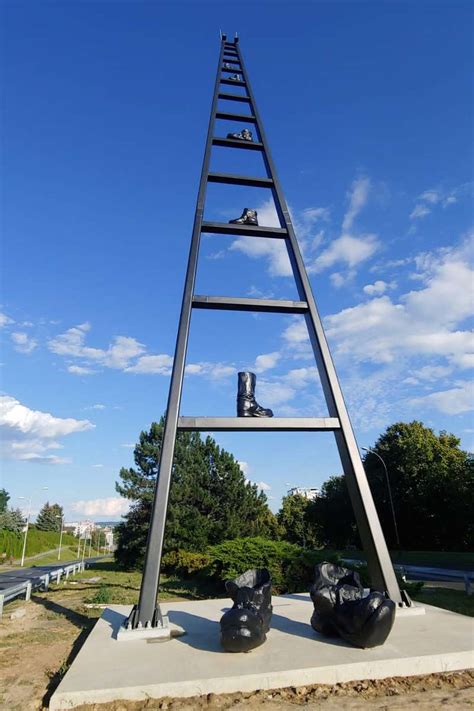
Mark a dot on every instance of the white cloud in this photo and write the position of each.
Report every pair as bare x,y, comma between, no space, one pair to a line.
23,342
97,406
424,322
5,320
432,372
348,250
128,445
430,198
152,364
274,393
34,422
28,434
419,211
266,361
111,506
450,402
213,371
80,370
245,467
118,355
262,485
377,288
97,466
339,279
358,196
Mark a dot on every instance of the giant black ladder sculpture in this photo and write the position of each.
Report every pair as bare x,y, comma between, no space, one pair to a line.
147,612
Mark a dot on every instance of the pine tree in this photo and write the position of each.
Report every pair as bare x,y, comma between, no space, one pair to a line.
210,500
12,520
49,518
4,499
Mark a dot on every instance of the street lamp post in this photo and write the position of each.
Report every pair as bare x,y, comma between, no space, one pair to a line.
61,534
43,488
389,489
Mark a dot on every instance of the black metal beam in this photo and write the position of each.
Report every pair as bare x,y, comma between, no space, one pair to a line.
378,559
232,82
227,116
223,228
236,143
147,612
256,424
233,97
231,179
231,303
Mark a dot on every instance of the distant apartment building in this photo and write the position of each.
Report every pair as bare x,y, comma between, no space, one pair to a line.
308,493
80,528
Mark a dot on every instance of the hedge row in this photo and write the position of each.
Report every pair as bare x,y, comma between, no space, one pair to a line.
37,542
291,567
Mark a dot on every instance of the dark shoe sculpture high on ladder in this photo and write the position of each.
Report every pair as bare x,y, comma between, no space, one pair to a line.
248,217
146,614
247,406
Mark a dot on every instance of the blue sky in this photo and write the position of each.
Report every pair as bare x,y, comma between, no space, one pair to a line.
368,110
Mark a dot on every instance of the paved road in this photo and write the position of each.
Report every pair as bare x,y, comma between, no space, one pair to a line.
20,575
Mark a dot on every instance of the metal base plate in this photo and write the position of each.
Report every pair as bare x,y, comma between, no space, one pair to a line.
162,632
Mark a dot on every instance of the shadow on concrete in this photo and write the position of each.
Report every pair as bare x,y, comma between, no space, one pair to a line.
204,634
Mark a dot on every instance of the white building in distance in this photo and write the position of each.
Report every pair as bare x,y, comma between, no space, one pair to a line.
308,493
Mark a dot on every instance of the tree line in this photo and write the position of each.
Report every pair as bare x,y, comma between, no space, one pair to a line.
431,479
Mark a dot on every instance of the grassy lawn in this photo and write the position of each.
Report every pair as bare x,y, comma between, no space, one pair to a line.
111,586
118,587
68,555
454,600
435,559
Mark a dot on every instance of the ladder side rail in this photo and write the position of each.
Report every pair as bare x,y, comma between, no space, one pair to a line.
147,605
373,541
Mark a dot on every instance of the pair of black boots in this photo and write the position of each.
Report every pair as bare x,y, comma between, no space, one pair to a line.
342,607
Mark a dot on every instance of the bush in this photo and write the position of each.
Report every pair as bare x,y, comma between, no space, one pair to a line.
185,563
291,567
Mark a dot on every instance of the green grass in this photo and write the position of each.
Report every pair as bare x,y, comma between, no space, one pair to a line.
436,559
454,600
123,587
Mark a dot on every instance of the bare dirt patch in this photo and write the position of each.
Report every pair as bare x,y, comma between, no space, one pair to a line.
448,691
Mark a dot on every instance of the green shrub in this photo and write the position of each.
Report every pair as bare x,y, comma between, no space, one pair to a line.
102,596
291,567
185,563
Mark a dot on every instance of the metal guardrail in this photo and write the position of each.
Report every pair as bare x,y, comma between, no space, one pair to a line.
40,582
421,572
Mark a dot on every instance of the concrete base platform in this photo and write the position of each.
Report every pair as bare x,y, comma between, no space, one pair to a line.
293,655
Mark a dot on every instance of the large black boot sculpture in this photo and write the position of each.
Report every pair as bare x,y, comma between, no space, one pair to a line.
245,625
244,135
343,607
248,217
247,406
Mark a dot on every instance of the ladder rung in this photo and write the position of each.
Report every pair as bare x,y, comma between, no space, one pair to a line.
233,82
258,424
234,97
223,228
235,117
236,143
230,303
229,61
231,179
